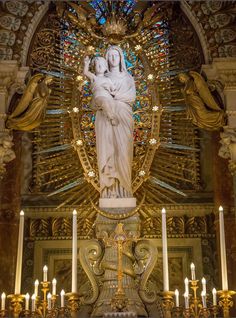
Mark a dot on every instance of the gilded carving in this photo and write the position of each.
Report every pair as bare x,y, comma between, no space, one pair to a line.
202,109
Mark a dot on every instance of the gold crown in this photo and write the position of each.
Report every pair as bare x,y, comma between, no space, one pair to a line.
114,26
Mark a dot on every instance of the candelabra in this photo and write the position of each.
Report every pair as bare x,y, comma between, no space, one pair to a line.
45,307
226,301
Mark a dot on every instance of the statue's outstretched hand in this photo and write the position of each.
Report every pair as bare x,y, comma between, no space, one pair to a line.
86,61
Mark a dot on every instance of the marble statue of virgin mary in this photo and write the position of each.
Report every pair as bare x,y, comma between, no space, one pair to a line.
114,139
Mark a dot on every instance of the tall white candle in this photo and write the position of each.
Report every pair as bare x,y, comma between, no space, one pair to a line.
74,253
193,276
49,297
54,286
203,294
186,286
33,303
19,254
3,301
204,285
186,300
176,298
62,298
223,251
27,297
45,273
36,287
164,252
214,297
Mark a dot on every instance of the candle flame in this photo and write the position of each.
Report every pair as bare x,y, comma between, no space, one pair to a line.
214,291
192,266
45,268
22,213
3,295
36,283
33,297
27,296
62,292
176,292
54,281
74,212
163,210
221,209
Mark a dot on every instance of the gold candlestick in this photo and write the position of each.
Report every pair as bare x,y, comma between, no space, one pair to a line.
3,313
16,304
27,313
226,301
74,301
186,313
215,311
177,312
204,312
167,303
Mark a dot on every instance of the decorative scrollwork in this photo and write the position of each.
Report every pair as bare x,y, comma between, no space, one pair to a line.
90,256
147,253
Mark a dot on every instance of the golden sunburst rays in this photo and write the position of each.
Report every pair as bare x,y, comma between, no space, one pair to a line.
66,173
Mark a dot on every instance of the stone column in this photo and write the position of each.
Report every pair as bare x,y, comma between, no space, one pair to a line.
223,70
11,80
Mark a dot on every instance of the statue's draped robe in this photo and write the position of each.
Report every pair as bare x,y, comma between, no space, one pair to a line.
115,143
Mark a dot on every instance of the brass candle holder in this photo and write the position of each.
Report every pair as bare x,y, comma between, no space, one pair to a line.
215,310
3,313
177,312
16,304
74,302
226,301
167,303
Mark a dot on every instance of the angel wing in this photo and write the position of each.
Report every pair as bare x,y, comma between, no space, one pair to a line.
27,95
31,114
204,91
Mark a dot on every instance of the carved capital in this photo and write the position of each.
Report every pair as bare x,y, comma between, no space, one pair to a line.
6,152
228,147
12,79
223,70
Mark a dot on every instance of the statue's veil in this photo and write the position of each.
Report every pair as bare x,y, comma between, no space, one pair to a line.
122,59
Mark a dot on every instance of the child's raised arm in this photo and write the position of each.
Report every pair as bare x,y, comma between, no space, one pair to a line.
87,73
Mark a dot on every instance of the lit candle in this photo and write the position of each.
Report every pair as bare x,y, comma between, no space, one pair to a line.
33,303
27,297
192,266
62,298
3,303
223,251
214,297
45,273
49,297
19,254
54,286
204,285
186,300
176,298
203,294
36,288
186,286
74,253
164,252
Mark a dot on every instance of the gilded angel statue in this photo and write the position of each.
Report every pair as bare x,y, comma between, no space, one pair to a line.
30,111
202,108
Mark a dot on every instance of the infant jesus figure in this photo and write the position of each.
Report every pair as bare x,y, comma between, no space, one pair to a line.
102,88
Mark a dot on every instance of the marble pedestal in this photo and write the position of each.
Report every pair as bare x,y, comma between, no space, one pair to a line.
125,203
